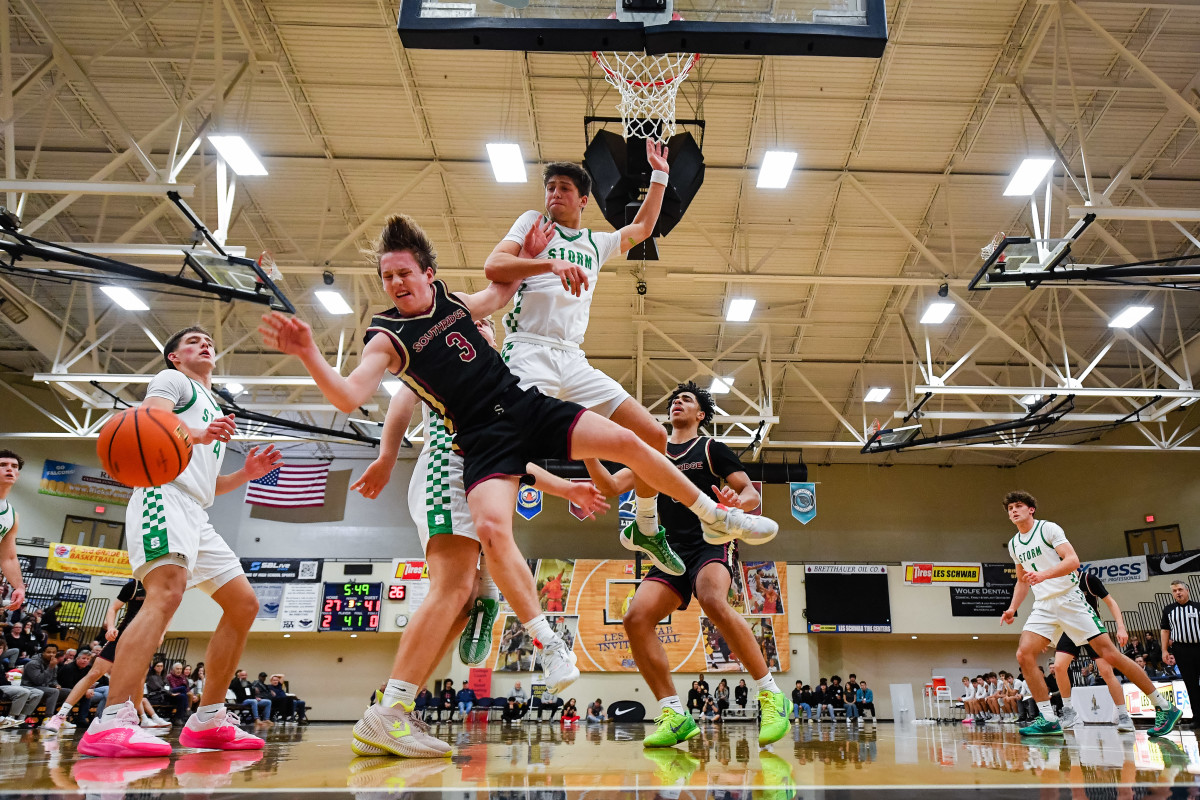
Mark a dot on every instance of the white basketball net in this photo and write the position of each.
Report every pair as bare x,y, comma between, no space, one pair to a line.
648,85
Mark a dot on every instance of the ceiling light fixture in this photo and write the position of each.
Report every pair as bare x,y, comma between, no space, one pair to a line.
740,309
125,298
877,394
1130,316
936,313
776,169
721,385
234,388
237,154
1028,177
333,301
507,164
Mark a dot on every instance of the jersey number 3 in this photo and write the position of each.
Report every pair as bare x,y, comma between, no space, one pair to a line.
465,351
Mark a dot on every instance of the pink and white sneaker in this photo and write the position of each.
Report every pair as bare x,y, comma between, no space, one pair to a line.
120,736
217,734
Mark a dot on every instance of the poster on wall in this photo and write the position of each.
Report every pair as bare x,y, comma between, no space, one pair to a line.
82,560
298,610
553,581
597,596
979,601
64,479
282,570
269,595
935,574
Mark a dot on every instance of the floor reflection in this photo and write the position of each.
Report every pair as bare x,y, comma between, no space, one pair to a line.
608,762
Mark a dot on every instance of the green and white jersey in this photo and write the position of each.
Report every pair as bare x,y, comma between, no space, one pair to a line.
542,306
196,408
443,469
1035,552
8,517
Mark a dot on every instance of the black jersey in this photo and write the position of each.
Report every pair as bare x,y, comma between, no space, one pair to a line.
706,463
1093,590
133,595
446,361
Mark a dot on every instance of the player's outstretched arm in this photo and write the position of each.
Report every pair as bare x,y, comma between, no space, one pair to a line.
259,461
490,299
1122,634
294,337
643,223
110,619
510,261
581,493
220,429
379,471
739,492
610,483
10,566
1019,592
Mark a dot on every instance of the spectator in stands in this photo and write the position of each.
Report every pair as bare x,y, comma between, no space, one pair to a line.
549,701
159,693
1169,671
1141,662
177,684
66,656
17,639
283,706
466,701
865,700
42,673
50,623
522,699
1154,651
72,673
798,704
570,714
243,696
595,712
23,701
741,693
703,684
722,696
261,691
33,626
849,697
512,710
695,698
446,698
709,712
807,702
852,683
423,703
193,696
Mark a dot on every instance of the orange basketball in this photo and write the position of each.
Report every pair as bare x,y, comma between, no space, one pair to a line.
144,447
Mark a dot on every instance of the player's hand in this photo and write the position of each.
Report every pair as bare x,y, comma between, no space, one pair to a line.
728,497
574,279
1032,578
260,462
1122,637
286,334
110,635
656,154
538,238
374,479
1008,616
18,599
220,429
585,495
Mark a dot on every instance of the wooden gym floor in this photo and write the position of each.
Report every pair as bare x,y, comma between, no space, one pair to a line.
608,762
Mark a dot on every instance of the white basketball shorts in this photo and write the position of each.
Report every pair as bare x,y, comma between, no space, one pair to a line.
165,526
437,499
565,374
1067,613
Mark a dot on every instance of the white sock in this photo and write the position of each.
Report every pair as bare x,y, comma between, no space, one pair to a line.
487,586
705,508
539,628
208,713
110,711
1067,703
1121,709
1047,711
397,690
646,514
66,709
672,703
1158,700
767,684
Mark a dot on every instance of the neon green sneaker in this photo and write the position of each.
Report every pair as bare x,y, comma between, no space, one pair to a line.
673,728
655,548
475,643
1042,727
1165,719
775,780
672,767
775,709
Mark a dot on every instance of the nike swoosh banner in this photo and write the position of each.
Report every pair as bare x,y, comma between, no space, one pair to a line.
1174,563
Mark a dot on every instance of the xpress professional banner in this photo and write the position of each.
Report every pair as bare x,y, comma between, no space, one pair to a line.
1131,569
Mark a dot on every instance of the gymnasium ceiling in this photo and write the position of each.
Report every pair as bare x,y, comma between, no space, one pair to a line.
902,163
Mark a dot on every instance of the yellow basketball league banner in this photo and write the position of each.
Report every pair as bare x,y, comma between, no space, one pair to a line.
102,561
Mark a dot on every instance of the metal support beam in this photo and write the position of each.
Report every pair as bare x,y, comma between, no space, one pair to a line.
1152,213
96,187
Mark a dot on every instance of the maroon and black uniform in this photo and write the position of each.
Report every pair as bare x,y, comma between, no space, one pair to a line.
133,595
498,426
706,463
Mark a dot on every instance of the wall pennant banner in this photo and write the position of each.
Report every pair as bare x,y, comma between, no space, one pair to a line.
529,502
626,510
804,501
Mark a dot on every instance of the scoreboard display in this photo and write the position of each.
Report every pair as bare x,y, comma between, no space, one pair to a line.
351,607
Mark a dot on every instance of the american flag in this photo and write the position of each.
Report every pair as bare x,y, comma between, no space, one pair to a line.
290,486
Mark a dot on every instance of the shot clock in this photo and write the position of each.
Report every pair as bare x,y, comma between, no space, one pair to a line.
351,607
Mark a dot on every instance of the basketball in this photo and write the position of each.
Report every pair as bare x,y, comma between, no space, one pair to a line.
144,447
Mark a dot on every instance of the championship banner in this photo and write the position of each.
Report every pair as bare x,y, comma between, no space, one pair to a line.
931,574
1173,563
282,570
64,479
626,510
804,501
1131,569
89,560
529,502
594,596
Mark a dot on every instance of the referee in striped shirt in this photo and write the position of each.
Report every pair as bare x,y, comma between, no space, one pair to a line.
1180,631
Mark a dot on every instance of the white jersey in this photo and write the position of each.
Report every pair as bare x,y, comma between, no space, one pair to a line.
542,307
196,408
8,517
1035,552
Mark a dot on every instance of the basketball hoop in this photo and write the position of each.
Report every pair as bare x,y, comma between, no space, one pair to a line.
986,252
266,261
648,85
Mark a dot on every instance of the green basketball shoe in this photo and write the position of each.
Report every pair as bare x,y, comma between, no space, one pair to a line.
775,709
1165,719
673,728
1042,727
654,547
475,643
